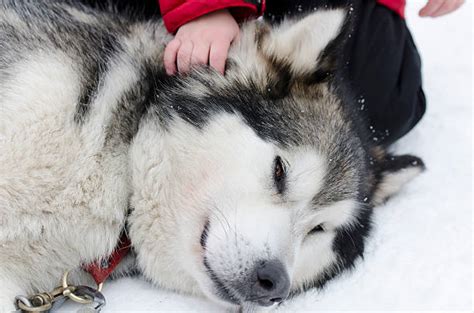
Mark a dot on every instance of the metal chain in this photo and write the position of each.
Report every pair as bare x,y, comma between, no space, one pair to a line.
45,301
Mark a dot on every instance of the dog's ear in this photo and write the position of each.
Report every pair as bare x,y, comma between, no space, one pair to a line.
308,48
392,173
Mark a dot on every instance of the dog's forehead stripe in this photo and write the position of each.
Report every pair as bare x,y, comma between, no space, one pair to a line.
306,172
338,213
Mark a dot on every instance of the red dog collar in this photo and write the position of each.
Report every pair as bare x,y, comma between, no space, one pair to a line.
101,270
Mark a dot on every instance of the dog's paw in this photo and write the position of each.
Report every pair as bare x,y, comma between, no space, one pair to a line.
392,173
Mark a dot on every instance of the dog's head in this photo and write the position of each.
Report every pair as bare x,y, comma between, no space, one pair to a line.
252,186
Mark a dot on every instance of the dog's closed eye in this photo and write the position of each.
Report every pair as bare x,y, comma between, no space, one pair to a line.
279,175
315,230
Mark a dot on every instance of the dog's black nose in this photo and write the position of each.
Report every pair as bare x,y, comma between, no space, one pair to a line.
271,284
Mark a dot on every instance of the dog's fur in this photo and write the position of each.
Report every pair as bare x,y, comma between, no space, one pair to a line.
91,128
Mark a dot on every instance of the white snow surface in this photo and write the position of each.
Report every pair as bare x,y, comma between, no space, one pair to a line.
419,257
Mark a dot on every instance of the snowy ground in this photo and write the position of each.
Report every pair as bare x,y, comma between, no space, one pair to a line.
420,254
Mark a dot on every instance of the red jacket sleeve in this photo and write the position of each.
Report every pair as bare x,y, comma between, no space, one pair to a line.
175,13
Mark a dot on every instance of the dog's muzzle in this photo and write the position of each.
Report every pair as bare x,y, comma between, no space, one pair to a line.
264,284
268,283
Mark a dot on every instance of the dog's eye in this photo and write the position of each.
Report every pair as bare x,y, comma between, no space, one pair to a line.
279,174
279,169
316,229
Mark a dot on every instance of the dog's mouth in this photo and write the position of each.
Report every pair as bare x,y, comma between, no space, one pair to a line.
221,290
204,234
265,285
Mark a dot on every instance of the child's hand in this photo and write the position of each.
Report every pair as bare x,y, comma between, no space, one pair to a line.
435,8
205,40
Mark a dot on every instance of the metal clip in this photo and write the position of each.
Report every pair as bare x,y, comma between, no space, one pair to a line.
45,301
95,296
40,302
70,291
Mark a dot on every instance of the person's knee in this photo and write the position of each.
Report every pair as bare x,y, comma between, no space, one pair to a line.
402,119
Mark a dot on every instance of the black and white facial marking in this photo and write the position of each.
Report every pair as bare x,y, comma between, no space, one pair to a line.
266,195
272,187
296,198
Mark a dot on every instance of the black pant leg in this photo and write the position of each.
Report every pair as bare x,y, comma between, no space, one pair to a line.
384,70
381,65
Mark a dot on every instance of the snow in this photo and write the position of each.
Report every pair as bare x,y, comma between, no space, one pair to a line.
420,254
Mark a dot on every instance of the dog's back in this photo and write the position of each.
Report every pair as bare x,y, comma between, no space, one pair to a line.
65,74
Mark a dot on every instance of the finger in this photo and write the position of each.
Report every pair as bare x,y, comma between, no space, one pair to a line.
200,54
447,7
218,55
431,7
443,9
184,56
459,4
169,57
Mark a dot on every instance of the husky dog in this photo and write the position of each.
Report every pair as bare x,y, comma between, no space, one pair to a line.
244,188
